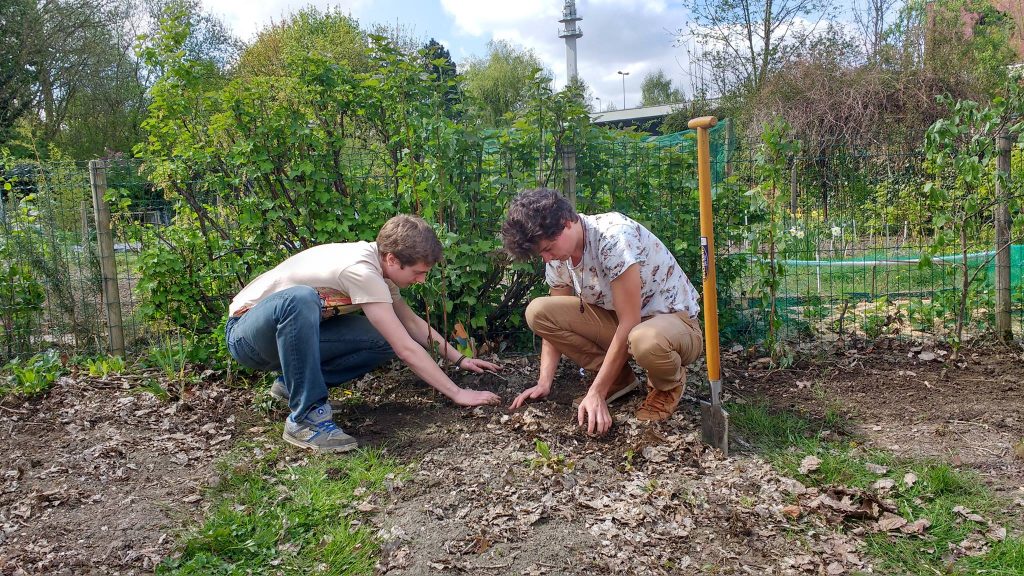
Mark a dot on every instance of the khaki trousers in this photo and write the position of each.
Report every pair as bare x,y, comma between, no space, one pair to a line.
663,345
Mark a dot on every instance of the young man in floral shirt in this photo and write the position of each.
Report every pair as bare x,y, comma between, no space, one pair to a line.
616,292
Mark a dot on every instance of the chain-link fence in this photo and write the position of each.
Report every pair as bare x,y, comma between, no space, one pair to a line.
848,240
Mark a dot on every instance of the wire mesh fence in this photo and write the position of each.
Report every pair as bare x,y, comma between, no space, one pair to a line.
49,296
851,238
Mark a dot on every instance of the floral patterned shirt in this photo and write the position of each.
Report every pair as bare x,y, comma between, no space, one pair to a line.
613,243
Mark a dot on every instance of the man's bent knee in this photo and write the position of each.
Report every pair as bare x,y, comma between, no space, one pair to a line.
536,312
646,340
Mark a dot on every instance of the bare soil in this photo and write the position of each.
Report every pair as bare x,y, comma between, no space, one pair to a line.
915,400
99,478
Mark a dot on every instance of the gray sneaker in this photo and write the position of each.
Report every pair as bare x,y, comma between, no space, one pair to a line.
278,390
318,432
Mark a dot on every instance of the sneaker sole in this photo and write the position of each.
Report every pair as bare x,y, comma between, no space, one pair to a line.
302,444
616,396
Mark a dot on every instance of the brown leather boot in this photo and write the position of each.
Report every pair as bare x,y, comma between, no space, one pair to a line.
614,393
659,404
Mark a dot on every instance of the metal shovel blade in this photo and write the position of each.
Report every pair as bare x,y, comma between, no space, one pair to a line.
714,426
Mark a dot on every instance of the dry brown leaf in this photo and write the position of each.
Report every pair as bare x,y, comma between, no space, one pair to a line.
884,485
792,511
809,464
876,468
996,532
835,569
917,526
968,514
890,521
909,479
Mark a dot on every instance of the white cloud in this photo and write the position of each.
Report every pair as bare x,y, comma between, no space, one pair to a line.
629,35
476,17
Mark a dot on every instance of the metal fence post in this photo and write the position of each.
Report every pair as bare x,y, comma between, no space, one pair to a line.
108,265
730,143
569,173
1003,222
794,200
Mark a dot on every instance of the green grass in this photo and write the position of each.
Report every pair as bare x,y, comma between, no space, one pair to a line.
268,519
785,439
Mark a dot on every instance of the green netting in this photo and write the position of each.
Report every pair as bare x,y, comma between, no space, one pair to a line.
974,260
721,145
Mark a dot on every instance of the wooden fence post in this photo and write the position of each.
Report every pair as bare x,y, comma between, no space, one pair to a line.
1004,330
108,265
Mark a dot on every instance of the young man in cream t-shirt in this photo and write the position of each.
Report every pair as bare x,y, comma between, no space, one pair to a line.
297,318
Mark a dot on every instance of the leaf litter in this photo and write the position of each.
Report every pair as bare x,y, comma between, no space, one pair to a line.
98,478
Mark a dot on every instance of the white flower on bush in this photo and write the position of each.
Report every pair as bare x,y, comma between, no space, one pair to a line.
796,232
837,231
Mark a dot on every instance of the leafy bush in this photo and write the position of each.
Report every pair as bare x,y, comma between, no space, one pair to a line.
34,376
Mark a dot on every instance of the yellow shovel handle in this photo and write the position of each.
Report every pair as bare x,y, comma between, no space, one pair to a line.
707,245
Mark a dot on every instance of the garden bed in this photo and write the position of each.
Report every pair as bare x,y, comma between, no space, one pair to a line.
101,477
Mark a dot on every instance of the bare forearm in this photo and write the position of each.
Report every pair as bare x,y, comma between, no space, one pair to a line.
614,359
425,335
549,357
424,366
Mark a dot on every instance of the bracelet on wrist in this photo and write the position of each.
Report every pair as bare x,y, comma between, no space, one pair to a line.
457,363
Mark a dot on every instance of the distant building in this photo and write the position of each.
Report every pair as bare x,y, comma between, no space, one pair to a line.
646,118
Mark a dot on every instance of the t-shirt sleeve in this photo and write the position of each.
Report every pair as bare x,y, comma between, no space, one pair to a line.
363,284
620,248
556,275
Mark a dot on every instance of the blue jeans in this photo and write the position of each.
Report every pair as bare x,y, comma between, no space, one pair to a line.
284,332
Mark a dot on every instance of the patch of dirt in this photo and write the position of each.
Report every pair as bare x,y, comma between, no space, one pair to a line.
530,493
97,476
911,399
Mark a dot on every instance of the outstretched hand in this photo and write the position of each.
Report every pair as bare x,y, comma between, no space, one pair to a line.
477,365
594,411
465,397
533,393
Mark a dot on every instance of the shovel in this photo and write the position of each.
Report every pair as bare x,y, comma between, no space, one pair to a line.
714,420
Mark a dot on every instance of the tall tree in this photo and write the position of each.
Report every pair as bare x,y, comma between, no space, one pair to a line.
657,89
330,35
873,20
499,82
17,75
441,67
743,41
69,74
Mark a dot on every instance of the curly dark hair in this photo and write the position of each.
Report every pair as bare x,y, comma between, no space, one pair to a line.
533,217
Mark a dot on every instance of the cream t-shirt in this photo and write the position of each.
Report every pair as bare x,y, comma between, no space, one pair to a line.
345,275
614,243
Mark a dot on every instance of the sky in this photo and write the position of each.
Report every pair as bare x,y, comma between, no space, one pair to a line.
634,36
